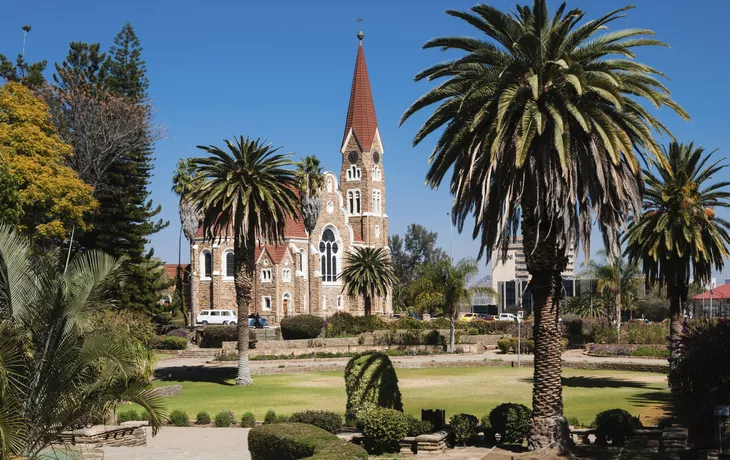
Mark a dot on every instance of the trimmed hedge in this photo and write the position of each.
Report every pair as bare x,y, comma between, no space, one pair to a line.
214,336
169,342
615,425
223,419
418,427
370,380
270,417
301,327
511,421
203,418
292,441
132,416
328,421
179,418
248,420
464,427
383,429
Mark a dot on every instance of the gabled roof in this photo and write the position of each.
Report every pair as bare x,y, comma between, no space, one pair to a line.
720,292
171,270
361,111
276,252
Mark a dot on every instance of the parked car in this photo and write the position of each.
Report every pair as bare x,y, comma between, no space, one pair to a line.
469,317
263,322
416,316
506,317
206,317
486,317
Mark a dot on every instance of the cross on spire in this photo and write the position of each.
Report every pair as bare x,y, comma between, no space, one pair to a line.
360,20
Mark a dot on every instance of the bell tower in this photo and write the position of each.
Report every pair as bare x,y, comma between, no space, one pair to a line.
362,178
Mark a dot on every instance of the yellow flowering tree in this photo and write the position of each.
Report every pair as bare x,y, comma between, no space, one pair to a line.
50,196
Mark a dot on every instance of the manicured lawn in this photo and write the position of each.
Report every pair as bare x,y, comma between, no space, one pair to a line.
470,390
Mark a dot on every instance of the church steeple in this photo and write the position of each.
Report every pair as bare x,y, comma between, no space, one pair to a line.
361,111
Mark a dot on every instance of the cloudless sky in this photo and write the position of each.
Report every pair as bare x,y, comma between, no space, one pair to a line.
282,70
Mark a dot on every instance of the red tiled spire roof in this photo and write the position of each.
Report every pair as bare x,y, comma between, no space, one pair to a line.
361,111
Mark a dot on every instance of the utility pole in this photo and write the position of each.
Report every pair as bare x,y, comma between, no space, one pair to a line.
451,238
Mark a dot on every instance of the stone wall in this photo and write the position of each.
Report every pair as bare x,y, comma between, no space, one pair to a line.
128,434
169,390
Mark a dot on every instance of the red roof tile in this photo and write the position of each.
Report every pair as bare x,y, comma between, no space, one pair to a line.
276,252
171,270
720,292
361,111
293,228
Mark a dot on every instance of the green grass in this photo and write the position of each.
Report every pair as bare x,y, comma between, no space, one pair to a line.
469,390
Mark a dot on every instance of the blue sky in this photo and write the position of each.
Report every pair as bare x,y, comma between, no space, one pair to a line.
282,71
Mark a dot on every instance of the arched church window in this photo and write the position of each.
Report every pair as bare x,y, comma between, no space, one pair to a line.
376,174
353,173
328,249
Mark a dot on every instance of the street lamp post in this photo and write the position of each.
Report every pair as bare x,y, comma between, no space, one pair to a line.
519,345
451,237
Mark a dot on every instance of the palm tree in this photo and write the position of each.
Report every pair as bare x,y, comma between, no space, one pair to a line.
57,371
678,235
182,184
310,180
617,281
540,124
368,273
446,286
248,193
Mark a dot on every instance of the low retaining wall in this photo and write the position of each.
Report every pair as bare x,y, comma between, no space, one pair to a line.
432,443
128,434
299,351
668,440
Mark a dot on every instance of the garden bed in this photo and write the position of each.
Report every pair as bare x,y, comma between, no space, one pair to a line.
627,350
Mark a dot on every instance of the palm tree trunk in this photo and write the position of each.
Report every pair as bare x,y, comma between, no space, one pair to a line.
191,307
675,322
368,306
452,334
244,267
617,306
309,274
545,262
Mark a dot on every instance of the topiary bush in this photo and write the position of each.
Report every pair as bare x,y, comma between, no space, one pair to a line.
248,420
504,345
328,421
179,418
291,441
370,379
511,421
418,427
301,327
615,425
383,429
270,417
464,427
202,418
224,419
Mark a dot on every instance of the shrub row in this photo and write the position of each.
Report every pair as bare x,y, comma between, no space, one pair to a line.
599,330
132,416
298,440
526,345
169,342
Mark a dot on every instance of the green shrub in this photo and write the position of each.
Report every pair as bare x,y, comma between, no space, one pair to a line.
563,344
464,427
646,333
605,333
524,346
504,345
340,324
291,441
270,417
418,427
370,379
169,342
383,429
615,425
224,419
214,336
179,332
511,421
202,418
144,416
301,327
248,420
653,352
127,416
328,421
179,418
407,323
281,418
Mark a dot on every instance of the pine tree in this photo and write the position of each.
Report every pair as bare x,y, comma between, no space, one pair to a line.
125,218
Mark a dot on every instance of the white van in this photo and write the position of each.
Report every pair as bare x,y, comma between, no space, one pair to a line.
506,317
206,317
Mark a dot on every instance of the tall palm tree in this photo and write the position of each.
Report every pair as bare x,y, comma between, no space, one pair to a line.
182,185
617,281
678,236
310,180
368,273
56,370
247,192
446,286
540,124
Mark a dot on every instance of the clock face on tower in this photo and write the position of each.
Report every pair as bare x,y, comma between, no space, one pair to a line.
376,157
352,156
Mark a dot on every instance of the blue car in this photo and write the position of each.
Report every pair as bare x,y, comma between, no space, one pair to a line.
263,322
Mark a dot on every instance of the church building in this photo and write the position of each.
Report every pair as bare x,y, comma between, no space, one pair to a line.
352,215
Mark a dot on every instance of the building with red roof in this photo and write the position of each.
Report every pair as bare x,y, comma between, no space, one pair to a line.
352,215
713,303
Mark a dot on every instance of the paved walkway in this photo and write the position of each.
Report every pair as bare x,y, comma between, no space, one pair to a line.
196,443
314,364
192,443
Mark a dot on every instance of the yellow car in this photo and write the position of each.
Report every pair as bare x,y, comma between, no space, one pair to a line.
469,317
